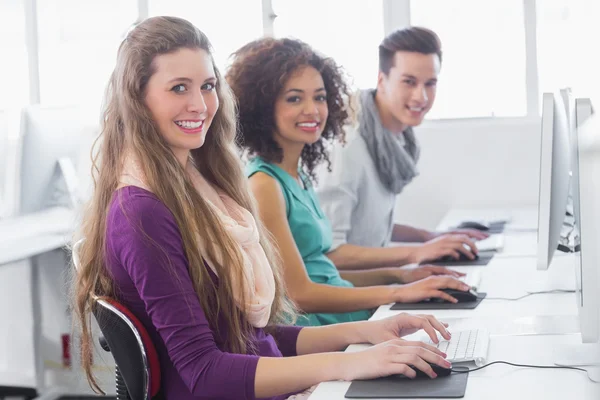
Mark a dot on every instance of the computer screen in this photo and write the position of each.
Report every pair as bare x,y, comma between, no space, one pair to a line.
586,230
585,151
555,166
52,140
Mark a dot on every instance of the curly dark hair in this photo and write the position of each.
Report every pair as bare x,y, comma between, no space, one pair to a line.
257,75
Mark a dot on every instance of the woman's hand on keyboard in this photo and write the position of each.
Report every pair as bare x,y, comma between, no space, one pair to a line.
390,358
400,325
429,288
408,275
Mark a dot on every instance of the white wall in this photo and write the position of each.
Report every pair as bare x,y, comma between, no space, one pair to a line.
472,163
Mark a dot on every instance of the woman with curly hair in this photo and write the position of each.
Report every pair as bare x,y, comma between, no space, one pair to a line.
291,104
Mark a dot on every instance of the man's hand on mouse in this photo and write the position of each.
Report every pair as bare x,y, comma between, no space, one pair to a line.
408,275
471,233
429,288
445,245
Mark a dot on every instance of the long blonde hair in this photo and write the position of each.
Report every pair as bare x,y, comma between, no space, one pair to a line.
127,124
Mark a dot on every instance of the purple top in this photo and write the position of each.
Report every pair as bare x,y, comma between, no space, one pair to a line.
152,279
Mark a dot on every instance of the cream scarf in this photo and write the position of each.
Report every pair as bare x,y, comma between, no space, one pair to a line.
259,283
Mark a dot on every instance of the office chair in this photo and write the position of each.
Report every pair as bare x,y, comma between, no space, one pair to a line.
137,371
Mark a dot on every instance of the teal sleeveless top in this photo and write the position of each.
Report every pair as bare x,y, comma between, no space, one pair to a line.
313,236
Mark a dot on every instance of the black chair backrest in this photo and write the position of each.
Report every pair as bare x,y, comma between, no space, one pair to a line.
126,346
16,392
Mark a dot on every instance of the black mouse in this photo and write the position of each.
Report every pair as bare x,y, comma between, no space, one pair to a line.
440,371
462,297
474,225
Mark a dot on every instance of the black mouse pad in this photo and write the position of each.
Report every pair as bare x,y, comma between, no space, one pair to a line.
452,386
494,227
439,305
484,259
499,224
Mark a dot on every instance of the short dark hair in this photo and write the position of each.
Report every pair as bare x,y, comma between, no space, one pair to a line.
257,75
413,39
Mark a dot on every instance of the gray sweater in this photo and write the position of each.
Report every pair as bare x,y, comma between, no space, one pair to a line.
359,206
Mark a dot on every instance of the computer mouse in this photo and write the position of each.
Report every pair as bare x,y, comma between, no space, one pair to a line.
440,371
462,297
474,225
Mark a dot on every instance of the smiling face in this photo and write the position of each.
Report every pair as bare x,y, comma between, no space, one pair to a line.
181,96
301,108
406,94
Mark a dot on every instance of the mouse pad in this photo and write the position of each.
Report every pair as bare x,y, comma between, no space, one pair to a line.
494,227
400,387
484,259
438,305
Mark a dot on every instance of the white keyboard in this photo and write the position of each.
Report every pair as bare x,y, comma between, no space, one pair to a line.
473,279
491,243
464,346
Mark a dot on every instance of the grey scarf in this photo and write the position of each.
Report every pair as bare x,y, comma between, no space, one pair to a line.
395,156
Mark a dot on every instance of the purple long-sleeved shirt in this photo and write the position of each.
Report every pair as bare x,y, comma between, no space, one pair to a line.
146,259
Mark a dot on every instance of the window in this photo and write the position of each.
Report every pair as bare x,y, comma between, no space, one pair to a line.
229,24
349,31
78,42
14,70
483,68
565,44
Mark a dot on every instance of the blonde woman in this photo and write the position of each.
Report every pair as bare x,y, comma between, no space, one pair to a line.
171,233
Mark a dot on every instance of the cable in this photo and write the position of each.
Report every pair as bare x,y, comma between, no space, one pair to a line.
464,370
528,294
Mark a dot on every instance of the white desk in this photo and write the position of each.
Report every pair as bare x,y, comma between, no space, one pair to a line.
28,237
524,331
521,218
519,244
504,382
510,278
520,235
15,378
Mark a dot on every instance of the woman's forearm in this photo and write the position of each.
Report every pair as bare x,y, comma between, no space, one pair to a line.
350,257
322,298
372,277
406,233
335,337
280,375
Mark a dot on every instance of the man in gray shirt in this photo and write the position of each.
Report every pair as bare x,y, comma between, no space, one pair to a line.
379,160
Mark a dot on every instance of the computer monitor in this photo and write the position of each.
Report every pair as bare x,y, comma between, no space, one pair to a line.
52,139
585,155
569,104
555,166
587,262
